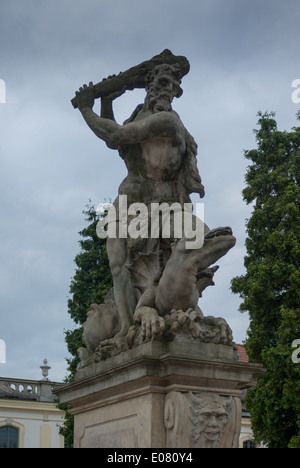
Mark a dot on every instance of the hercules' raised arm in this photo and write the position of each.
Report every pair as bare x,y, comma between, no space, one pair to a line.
106,104
103,127
158,125
85,100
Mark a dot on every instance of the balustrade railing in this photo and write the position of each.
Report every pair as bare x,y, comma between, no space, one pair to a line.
17,387
25,389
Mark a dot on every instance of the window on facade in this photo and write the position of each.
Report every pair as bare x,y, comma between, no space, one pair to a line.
249,444
9,437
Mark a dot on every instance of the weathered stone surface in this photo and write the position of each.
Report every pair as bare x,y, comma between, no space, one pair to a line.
177,394
181,328
202,420
156,273
135,76
155,371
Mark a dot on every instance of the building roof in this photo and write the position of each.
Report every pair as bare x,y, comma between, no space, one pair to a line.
242,355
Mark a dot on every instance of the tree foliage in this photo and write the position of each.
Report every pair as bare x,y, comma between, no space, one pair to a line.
270,288
91,283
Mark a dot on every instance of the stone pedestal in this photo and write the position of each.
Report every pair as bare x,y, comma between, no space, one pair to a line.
181,394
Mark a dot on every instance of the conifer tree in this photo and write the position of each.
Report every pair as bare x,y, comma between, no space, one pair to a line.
270,288
91,283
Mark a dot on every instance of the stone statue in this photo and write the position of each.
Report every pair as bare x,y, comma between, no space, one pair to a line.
157,280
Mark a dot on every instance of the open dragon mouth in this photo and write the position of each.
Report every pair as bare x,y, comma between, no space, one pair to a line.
222,231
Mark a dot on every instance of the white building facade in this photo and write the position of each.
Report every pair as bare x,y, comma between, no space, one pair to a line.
29,417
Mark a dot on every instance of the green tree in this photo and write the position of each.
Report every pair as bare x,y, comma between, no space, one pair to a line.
91,283
270,288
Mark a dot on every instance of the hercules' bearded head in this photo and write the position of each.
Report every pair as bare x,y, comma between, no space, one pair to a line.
162,85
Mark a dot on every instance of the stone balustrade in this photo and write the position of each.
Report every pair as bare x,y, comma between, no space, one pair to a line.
27,389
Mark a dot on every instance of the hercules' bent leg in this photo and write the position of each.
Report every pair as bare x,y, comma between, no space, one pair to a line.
123,290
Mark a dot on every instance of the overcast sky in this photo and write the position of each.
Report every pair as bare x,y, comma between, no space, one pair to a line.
244,55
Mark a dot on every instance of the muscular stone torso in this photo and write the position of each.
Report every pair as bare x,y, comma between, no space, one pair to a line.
153,165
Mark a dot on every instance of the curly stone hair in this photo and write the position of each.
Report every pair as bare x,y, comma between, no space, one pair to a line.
173,70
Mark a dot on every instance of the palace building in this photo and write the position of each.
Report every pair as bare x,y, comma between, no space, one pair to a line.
29,417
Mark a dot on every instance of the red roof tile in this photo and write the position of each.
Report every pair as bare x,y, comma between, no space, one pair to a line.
242,355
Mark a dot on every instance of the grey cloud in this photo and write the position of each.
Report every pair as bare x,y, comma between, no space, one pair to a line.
242,57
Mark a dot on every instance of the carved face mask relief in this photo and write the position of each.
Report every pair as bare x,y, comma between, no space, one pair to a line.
209,418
